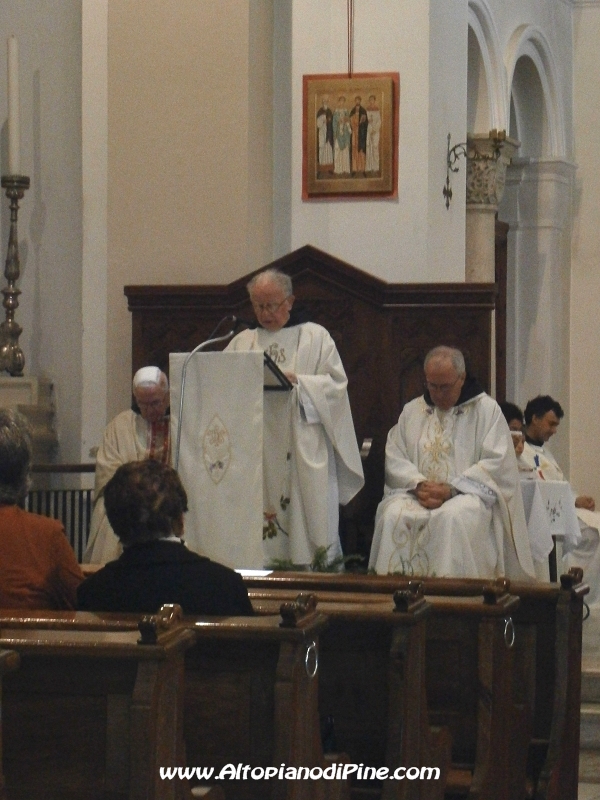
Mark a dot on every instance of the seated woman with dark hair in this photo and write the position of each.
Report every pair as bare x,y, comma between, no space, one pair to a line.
145,502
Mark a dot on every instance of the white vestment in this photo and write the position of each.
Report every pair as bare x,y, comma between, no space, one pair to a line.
586,553
311,460
325,148
480,533
128,437
373,134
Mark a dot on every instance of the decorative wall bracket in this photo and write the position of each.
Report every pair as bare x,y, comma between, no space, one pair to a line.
481,150
452,156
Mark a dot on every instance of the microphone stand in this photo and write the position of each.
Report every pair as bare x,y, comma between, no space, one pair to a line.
196,349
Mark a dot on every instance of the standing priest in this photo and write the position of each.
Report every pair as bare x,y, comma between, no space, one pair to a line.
452,505
311,460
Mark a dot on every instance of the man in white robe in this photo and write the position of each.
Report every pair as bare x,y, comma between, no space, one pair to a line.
542,418
452,505
373,134
133,435
311,460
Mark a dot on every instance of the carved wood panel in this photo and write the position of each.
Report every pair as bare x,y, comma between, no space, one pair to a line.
382,332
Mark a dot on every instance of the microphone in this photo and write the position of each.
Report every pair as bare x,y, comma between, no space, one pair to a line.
238,322
228,318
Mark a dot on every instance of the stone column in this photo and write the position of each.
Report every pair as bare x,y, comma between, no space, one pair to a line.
487,158
537,207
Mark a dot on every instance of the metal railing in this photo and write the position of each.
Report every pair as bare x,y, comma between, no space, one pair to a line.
72,506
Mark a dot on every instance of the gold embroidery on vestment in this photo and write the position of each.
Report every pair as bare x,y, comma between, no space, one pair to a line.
216,449
276,353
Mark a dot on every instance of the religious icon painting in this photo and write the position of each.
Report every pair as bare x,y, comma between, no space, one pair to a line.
350,135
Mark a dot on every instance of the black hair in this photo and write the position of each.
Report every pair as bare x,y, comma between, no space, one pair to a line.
511,411
540,405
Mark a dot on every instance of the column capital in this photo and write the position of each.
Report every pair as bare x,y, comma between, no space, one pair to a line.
488,155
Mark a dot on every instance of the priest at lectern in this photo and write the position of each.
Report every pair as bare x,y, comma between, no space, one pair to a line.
311,460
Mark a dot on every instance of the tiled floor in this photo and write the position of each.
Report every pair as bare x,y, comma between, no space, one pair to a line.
589,791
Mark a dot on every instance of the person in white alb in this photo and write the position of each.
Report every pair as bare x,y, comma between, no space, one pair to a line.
542,418
452,505
140,433
311,460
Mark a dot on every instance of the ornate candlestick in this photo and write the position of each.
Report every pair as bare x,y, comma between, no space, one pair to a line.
11,355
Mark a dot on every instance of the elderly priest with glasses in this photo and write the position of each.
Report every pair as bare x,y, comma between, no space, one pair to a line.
311,460
452,505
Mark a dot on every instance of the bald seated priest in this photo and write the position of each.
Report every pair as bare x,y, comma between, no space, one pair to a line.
452,505
140,433
311,461
145,502
542,419
38,568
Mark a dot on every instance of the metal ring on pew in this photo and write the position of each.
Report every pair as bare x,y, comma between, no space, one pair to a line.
312,654
586,611
509,633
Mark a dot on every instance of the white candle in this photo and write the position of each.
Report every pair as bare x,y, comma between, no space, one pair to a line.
14,129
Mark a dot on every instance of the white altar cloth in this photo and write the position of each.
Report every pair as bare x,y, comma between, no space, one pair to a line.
549,511
220,458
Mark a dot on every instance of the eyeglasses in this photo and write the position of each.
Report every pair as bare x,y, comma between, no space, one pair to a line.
150,403
441,387
269,308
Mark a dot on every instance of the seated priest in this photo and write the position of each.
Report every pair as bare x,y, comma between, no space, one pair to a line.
542,418
145,502
141,432
38,568
514,419
311,460
452,505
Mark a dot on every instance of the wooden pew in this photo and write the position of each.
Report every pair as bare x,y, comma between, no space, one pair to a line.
93,713
251,688
484,725
372,688
251,697
547,660
9,661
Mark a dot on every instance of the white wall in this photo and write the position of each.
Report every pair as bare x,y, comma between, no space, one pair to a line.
189,152
412,238
50,225
94,94
585,285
